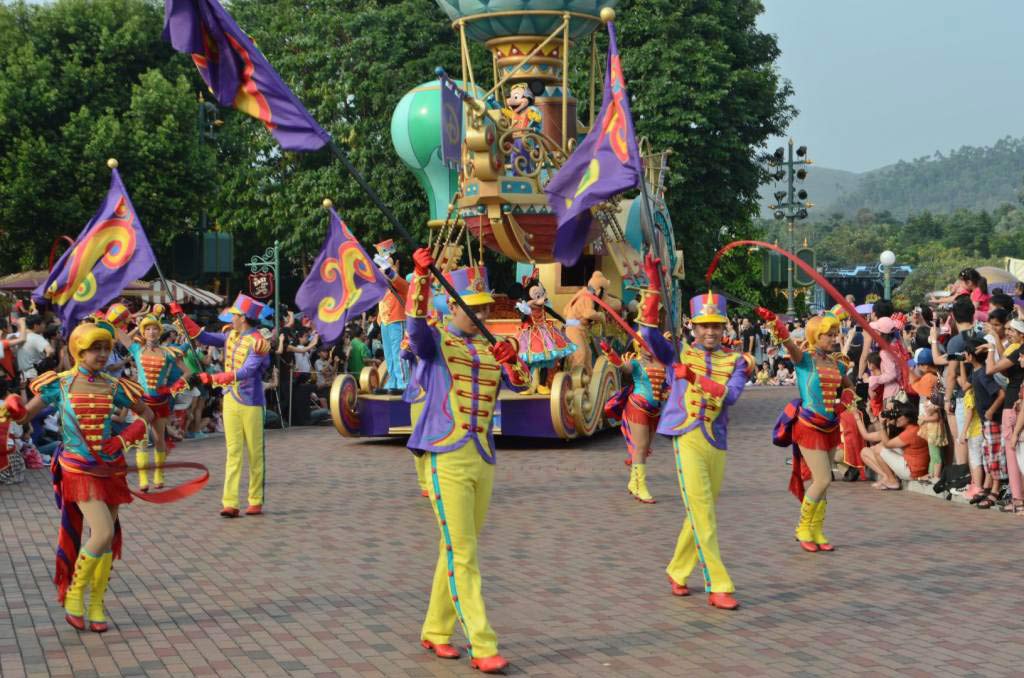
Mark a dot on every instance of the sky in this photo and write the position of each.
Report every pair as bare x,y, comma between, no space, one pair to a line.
882,80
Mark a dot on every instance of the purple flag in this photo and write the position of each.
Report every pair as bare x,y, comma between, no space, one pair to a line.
343,282
451,123
237,72
606,163
109,254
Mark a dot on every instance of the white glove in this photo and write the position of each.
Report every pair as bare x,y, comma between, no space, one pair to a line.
383,262
523,307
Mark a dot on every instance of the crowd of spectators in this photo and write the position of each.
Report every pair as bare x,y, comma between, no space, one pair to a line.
302,367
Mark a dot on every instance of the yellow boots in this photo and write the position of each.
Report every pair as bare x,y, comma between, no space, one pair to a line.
809,531
74,599
638,484
817,523
158,469
90,571
142,461
100,579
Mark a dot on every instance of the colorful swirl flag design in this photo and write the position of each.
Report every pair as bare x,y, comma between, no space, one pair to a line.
342,283
238,74
109,254
606,163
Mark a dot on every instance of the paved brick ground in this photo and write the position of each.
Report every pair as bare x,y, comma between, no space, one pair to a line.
334,579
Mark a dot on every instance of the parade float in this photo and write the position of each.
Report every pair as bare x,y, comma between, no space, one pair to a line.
510,140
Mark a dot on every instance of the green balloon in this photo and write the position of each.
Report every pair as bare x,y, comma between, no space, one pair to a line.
416,134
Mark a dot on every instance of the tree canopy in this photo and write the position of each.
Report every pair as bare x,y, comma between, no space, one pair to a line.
81,81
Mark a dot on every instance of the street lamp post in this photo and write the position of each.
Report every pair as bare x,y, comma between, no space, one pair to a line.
791,204
887,259
270,262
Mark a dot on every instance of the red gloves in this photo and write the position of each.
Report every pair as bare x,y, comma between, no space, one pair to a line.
218,379
502,351
175,308
613,357
133,433
422,260
652,267
684,372
15,407
711,387
781,331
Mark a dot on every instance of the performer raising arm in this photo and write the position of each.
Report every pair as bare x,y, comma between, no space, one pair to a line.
707,381
88,467
811,423
461,376
245,360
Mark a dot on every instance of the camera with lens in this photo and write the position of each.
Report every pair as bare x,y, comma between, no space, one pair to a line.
891,414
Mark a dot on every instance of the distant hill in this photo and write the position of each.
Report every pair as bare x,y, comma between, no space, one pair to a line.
824,187
969,178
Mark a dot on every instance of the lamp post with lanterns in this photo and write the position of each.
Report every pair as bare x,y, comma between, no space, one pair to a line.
790,204
887,259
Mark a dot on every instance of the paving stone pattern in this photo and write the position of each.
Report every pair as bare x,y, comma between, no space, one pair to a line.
334,579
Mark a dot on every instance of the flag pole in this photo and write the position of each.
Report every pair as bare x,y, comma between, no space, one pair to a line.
402,231
113,165
647,220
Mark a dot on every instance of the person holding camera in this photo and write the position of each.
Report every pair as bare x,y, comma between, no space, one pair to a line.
899,453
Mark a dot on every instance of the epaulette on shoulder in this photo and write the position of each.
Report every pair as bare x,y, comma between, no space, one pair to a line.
175,352
260,345
42,380
133,390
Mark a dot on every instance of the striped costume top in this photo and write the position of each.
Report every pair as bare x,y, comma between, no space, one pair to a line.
820,386
156,369
85,417
688,407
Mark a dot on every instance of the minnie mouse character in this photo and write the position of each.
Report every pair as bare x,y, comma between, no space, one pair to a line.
541,342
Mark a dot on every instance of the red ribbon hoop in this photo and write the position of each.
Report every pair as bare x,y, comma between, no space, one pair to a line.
820,280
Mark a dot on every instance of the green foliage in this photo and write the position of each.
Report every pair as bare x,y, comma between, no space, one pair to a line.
968,178
80,82
702,83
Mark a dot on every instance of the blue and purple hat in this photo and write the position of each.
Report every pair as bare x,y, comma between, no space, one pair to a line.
708,308
471,284
244,305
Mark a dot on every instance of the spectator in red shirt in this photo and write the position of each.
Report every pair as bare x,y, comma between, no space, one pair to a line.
9,381
903,457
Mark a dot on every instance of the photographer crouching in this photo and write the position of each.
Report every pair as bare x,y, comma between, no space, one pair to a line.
900,454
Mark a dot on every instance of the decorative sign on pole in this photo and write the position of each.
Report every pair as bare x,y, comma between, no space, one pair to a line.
261,285
267,268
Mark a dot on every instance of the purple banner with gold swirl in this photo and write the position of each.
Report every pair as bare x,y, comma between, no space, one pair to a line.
606,163
110,253
343,283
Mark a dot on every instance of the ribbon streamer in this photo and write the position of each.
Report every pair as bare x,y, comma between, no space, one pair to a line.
820,280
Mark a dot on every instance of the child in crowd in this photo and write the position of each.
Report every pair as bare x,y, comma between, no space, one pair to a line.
988,399
933,431
763,377
971,435
874,367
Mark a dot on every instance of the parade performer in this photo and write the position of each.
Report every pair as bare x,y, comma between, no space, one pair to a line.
581,312
161,375
461,376
638,407
542,343
811,424
88,468
707,381
245,359
391,317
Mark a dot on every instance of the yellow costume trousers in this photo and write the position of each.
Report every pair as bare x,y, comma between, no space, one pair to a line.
700,468
461,484
243,424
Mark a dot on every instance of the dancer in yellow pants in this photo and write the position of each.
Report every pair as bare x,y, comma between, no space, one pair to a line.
245,360
707,380
461,375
